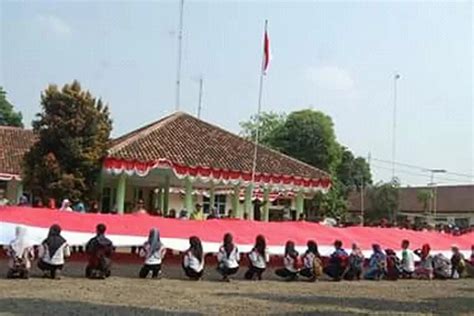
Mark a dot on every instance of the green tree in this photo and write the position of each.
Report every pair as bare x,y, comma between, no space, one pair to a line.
352,172
384,201
73,131
424,197
269,122
8,117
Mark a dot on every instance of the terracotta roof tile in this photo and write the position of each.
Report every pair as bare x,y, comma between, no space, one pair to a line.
184,139
14,143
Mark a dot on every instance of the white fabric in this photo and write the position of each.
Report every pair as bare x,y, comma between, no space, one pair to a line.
258,260
289,263
58,257
409,263
152,258
21,241
308,260
190,261
230,261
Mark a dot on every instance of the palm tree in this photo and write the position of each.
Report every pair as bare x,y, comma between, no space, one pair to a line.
424,197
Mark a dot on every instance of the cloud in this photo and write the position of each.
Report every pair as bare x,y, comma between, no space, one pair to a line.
331,78
54,25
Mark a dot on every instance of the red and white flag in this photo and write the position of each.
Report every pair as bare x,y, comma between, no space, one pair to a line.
266,51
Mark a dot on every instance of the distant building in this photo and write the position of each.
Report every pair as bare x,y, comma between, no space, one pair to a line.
450,204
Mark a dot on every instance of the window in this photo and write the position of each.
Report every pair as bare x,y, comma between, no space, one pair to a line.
219,203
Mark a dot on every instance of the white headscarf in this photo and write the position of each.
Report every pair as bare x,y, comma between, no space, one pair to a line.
20,243
66,205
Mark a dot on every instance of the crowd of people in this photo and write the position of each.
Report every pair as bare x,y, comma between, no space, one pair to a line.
340,265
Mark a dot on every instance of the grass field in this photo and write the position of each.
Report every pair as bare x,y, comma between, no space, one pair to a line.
124,294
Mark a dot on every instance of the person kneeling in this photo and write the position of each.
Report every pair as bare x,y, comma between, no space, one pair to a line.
100,250
153,251
258,259
52,252
337,262
290,262
228,258
21,253
312,263
193,260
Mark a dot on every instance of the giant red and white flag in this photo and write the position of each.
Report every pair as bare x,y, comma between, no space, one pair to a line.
266,51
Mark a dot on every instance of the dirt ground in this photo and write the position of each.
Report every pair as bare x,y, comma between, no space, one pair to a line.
124,294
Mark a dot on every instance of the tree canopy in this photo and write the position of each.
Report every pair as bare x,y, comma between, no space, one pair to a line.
269,122
353,172
73,130
8,117
384,200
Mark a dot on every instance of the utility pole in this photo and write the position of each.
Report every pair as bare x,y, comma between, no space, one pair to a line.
180,49
434,186
200,98
394,127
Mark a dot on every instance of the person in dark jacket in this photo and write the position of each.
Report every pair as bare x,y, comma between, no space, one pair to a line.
99,250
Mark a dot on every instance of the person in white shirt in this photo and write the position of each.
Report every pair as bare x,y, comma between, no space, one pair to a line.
258,259
290,262
228,258
408,260
312,266
21,253
193,260
154,252
52,252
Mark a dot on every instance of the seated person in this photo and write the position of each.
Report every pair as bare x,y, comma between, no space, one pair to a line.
290,262
377,264
441,267
228,258
394,266
355,265
153,251
193,260
100,250
312,264
425,268
337,262
20,251
258,259
52,252
458,263
408,260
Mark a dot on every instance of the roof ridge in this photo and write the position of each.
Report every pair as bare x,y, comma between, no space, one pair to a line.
259,145
143,131
6,127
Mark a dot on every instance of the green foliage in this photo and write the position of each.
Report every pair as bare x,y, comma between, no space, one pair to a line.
384,201
8,117
353,172
331,204
424,197
73,131
269,122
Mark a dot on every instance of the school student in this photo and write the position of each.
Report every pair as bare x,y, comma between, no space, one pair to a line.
290,262
426,267
100,250
258,259
228,258
355,265
312,264
337,262
377,264
52,253
193,260
408,260
21,253
154,252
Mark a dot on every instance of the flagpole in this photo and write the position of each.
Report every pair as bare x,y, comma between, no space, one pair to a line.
255,153
178,70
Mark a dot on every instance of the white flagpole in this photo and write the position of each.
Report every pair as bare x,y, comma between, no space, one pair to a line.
178,71
255,153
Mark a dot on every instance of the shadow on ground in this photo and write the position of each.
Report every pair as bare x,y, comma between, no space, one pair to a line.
26,306
432,305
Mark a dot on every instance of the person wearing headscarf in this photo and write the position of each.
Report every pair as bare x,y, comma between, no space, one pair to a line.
425,268
228,258
66,206
154,252
20,251
338,262
52,252
258,259
99,250
394,266
377,264
458,263
312,264
290,263
193,260
441,267
356,261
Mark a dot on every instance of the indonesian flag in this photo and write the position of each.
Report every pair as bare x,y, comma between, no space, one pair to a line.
266,51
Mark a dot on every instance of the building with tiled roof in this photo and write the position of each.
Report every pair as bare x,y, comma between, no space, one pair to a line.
183,151
14,143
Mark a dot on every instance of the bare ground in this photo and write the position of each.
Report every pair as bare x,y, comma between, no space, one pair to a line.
124,294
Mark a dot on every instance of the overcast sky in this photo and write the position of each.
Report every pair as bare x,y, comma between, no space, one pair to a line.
337,57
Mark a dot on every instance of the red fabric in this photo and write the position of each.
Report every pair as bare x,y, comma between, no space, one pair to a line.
244,232
266,52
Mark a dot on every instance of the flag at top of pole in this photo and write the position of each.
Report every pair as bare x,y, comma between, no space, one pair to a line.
266,50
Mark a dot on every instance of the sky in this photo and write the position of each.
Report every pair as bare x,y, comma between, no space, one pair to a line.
338,57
